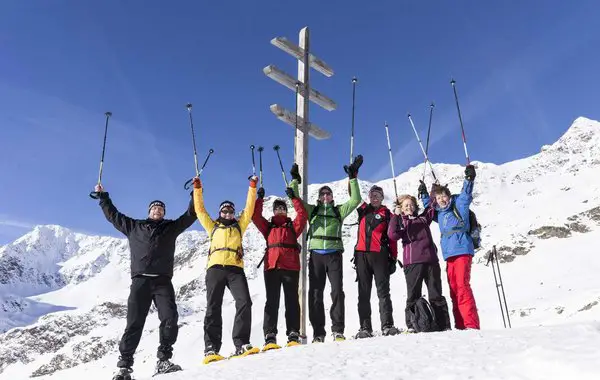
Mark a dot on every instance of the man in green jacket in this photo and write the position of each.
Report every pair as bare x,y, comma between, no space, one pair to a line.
326,247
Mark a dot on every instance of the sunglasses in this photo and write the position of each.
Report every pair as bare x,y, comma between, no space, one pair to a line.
227,212
325,193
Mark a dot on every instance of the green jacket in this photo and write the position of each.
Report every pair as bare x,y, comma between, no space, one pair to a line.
325,229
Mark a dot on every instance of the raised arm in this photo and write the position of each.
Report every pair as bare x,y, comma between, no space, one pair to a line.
246,216
257,217
355,198
205,220
122,222
301,214
187,218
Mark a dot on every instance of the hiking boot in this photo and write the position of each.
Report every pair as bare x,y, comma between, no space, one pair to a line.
411,331
338,336
245,349
318,339
294,336
210,352
390,330
166,366
123,374
363,333
270,338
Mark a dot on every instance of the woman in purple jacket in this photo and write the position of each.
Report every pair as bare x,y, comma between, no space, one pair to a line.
420,258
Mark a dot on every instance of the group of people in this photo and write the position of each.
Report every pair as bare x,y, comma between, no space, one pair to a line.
375,256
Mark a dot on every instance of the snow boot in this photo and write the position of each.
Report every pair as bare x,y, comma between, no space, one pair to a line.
244,350
271,342
318,339
166,366
211,356
390,330
293,339
123,374
338,337
363,333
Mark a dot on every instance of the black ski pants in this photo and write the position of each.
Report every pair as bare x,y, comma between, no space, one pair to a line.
321,266
143,291
369,265
218,278
415,274
274,280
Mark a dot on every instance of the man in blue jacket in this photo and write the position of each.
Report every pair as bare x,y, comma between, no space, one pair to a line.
452,216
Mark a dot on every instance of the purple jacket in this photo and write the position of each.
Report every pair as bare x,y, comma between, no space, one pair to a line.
416,237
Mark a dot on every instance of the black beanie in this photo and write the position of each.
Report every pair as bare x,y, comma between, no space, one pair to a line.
325,188
279,202
224,204
157,203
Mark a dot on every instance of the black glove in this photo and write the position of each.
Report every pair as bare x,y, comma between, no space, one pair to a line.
392,265
422,189
261,193
352,170
295,173
290,192
470,172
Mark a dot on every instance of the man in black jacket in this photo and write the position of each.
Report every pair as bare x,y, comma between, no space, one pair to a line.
152,247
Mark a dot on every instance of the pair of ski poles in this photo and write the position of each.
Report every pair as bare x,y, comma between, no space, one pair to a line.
96,195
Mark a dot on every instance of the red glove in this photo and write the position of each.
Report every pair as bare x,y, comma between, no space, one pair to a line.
253,181
197,183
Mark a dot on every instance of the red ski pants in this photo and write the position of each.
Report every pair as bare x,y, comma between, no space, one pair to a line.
458,269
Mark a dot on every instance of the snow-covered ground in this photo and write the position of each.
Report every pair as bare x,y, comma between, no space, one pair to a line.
62,294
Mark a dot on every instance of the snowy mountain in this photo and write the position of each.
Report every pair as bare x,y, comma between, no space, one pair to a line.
63,294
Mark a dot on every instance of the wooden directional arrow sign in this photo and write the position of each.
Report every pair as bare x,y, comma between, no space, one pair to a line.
298,53
315,96
289,118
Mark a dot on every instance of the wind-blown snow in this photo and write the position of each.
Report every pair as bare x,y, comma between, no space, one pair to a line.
63,294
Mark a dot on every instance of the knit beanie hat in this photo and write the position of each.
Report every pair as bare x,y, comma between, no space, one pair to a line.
226,204
376,189
157,203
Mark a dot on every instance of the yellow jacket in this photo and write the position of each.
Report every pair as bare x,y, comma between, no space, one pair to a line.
225,241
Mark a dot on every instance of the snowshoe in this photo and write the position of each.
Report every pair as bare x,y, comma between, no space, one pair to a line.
211,356
389,331
166,366
123,374
338,337
271,346
293,339
363,333
244,350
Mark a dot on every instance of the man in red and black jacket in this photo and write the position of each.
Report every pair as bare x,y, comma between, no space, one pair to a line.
282,263
374,256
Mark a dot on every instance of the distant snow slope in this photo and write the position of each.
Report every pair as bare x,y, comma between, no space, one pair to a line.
63,294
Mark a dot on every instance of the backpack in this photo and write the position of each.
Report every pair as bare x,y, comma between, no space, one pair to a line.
475,227
315,211
289,224
421,317
239,251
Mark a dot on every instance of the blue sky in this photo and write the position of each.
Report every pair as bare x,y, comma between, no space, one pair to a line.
524,71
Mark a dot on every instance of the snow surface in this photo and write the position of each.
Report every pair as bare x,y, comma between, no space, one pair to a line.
62,294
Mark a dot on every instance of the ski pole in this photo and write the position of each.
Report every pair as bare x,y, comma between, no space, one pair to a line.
189,108
493,256
387,134
428,133
260,149
94,194
354,81
422,149
276,149
453,83
253,163
189,181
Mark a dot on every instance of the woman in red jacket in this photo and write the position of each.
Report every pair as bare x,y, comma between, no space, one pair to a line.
282,265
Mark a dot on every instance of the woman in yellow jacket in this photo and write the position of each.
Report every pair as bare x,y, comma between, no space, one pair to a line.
225,268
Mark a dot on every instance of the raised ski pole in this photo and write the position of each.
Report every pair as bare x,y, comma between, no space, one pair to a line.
186,185
260,150
94,194
422,149
387,134
462,128
493,256
431,106
276,149
189,181
253,162
354,81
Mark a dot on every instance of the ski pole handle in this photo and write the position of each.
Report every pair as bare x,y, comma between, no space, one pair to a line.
260,150
276,149
253,164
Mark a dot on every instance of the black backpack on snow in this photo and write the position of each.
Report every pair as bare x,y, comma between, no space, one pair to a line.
421,316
